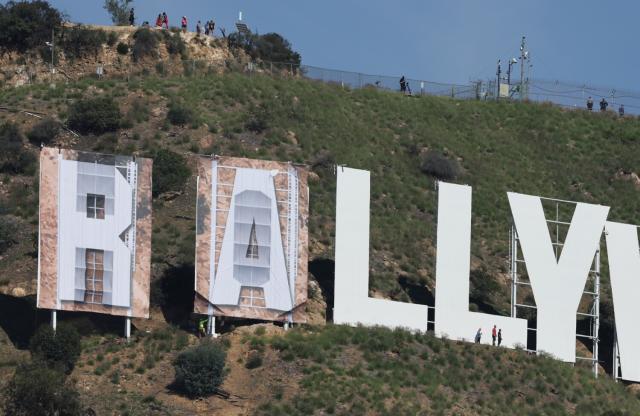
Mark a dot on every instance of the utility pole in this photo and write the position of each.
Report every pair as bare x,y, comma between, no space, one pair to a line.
498,72
524,55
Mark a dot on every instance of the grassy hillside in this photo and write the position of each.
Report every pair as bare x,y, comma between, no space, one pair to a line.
499,147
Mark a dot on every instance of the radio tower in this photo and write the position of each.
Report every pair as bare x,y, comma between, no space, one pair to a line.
524,58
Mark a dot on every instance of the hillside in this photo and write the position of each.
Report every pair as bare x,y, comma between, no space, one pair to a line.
499,147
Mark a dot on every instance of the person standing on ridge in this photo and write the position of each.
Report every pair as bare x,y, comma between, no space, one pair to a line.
403,85
494,335
603,104
198,28
159,21
165,19
621,110
132,18
499,337
478,336
184,24
590,104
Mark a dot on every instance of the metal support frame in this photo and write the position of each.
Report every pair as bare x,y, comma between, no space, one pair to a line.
54,319
593,292
127,328
211,327
615,369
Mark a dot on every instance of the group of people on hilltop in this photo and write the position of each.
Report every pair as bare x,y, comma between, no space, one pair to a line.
208,29
162,20
496,335
603,106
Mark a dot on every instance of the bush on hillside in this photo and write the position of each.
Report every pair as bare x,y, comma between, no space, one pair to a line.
9,228
81,41
170,172
14,158
122,48
36,390
94,115
26,25
200,370
58,350
270,47
175,45
439,166
180,114
112,38
44,132
145,44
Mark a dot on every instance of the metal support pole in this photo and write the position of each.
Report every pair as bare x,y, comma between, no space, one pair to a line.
211,327
54,319
596,312
615,356
127,328
514,270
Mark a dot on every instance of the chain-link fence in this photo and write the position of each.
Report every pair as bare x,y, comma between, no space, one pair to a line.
568,95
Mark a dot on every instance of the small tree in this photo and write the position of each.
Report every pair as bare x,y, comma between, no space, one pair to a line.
14,158
170,171
119,11
145,43
94,115
200,370
59,350
27,25
38,391
44,132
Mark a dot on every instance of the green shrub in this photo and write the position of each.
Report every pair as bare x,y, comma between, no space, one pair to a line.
44,132
9,228
122,48
27,25
14,158
439,166
80,41
254,360
175,45
200,370
112,38
270,47
180,114
38,391
59,349
145,44
94,115
170,171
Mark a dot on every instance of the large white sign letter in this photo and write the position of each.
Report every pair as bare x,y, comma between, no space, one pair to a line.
352,304
453,318
557,285
624,271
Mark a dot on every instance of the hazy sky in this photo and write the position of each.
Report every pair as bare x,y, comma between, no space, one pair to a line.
582,41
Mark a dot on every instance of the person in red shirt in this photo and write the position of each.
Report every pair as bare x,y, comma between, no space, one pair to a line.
184,23
159,21
494,334
165,19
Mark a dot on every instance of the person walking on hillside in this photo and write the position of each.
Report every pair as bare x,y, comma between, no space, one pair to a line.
603,104
202,332
478,336
159,20
198,28
212,28
132,18
590,104
206,28
403,85
499,337
183,24
621,110
494,335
